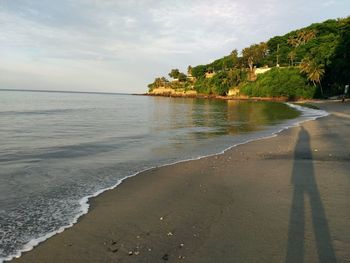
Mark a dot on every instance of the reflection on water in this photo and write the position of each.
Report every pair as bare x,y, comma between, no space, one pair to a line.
204,118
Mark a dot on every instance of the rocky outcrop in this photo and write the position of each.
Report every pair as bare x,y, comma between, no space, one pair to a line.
163,91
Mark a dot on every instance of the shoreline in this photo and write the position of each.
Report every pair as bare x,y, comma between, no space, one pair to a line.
204,96
93,201
243,98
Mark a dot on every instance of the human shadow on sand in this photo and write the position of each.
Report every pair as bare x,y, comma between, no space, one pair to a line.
305,188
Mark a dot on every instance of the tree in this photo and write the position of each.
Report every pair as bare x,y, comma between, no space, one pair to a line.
248,55
338,68
234,53
182,77
158,82
313,71
301,38
308,35
233,77
234,56
164,81
293,41
174,73
279,82
254,54
199,71
291,57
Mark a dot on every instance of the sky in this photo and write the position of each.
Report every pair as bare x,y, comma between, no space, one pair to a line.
122,45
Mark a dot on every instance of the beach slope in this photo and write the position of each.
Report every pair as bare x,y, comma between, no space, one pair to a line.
282,199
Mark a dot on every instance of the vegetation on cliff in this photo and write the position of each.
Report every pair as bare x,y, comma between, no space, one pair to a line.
306,63
280,82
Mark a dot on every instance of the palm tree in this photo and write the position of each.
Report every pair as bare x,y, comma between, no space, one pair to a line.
313,71
304,65
292,56
309,35
301,38
294,41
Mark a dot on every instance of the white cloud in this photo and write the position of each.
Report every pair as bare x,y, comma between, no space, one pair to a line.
126,43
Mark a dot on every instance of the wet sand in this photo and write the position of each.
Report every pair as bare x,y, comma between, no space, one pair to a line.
282,199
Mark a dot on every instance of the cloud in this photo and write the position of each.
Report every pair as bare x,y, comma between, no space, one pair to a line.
130,42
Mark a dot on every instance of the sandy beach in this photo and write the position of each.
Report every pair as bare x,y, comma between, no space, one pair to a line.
282,199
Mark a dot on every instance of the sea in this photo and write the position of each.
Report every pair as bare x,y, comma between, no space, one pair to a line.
58,149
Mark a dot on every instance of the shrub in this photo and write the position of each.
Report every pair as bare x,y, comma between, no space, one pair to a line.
280,82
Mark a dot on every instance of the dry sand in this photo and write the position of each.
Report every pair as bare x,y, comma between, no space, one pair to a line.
283,199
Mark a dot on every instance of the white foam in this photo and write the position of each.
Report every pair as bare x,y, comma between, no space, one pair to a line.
307,114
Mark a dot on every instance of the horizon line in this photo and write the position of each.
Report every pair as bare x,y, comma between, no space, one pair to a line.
68,91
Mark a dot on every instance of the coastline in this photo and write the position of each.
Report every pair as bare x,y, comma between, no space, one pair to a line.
173,177
243,98
204,96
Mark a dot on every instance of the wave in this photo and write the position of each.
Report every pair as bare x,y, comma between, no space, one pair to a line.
307,114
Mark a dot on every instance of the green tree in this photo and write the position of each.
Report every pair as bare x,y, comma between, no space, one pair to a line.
182,77
234,56
158,82
199,71
174,73
291,57
313,71
301,38
338,67
254,54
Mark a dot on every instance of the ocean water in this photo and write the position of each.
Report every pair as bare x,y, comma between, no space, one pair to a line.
59,149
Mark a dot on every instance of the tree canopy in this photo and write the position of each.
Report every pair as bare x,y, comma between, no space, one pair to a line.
254,54
174,73
319,53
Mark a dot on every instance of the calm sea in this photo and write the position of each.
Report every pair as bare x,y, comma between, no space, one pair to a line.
58,149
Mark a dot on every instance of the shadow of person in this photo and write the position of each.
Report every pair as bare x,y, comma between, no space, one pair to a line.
303,179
